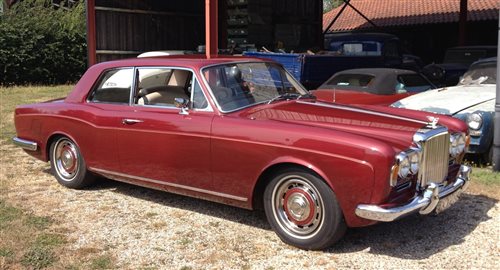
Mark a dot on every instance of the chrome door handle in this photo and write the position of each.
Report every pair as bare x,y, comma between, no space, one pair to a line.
131,121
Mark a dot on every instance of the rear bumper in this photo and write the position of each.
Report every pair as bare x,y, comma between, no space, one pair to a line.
424,204
25,144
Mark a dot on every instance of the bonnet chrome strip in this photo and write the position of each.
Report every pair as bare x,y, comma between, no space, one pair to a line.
359,110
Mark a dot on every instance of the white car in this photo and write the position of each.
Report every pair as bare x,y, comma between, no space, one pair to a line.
472,100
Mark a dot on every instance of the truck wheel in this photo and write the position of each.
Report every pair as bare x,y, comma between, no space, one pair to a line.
67,164
303,210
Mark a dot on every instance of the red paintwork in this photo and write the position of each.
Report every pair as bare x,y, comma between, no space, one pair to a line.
355,97
351,148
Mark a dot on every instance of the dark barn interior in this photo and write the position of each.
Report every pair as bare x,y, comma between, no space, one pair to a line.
121,29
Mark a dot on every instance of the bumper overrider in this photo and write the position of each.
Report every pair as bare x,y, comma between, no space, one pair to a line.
423,204
25,144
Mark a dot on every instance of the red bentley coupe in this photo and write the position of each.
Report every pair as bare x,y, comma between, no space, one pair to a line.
242,131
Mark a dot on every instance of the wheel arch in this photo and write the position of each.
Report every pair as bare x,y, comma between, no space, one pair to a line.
265,177
54,136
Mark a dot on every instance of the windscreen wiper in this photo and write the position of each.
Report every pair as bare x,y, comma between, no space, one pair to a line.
285,96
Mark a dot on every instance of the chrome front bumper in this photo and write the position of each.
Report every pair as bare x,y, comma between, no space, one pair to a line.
25,144
424,204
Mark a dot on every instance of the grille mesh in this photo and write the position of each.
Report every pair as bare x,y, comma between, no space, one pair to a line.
434,159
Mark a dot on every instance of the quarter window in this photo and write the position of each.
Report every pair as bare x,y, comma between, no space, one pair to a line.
199,100
114,87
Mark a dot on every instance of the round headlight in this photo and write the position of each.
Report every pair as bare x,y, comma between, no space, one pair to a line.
414,162
457,144
474,121
404,165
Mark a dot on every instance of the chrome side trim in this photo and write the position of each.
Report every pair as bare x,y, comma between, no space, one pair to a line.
25,144
120,175
424,204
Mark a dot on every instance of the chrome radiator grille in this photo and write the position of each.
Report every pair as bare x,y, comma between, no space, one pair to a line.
435,145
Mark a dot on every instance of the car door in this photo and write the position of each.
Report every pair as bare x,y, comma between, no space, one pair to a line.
107,100
159,144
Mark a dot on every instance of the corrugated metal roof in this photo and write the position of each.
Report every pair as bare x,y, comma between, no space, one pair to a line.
408,12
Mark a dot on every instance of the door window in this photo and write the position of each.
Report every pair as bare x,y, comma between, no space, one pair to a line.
161,86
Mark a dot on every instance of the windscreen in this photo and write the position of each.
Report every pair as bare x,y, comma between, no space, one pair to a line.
483,73
415,83
239,85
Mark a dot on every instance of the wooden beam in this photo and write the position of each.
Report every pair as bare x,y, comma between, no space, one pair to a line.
91,33
211,28
462,23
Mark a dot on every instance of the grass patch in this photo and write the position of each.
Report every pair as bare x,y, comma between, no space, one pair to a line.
102,262
25,240
486,182
49,240
7,214
5,252
38,257
10,97
40,223
486,176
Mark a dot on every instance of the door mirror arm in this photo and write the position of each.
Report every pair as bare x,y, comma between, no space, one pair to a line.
183,104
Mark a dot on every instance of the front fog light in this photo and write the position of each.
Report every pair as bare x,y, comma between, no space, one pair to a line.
414,164
461,142
404,165
457,144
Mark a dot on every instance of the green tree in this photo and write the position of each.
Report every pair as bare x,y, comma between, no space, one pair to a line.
331,4
42,45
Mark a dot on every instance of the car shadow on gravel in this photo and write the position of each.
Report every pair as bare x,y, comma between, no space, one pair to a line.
255,219
418,237
414,237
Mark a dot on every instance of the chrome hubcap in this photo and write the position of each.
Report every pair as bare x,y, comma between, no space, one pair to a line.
297,206
66,159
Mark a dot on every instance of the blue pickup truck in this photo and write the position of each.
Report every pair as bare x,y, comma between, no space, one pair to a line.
343,51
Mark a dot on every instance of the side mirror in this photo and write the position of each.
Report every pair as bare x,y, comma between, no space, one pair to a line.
183,104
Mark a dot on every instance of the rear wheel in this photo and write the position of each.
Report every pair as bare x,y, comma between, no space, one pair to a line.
303,210
67,164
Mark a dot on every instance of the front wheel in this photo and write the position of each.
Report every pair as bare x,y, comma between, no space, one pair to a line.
303,210
67,164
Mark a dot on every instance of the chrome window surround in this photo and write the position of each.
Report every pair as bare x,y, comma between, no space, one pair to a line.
99,79
133,88
193,81
242,62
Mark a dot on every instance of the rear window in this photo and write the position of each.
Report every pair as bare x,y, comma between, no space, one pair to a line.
414,83
114,87
364,48
359,80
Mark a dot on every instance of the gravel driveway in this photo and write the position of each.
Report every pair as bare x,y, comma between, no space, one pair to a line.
144,228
